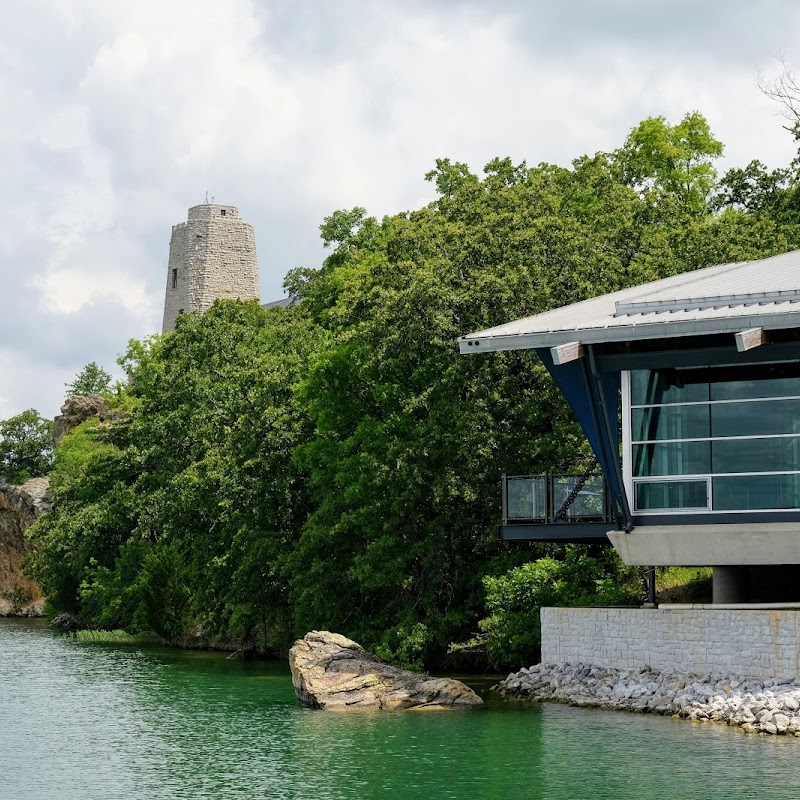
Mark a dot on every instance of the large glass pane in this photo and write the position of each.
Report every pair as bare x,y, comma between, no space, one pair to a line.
525,498
755,455
673,458
747,492
751,381
670,422
747,419
589,502
650,387
671,495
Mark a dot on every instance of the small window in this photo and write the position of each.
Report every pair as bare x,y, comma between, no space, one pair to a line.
672,495
174,279
222,212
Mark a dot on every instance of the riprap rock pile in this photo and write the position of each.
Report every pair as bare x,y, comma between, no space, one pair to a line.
771,706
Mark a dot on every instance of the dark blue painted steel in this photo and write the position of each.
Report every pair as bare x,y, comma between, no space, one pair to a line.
576,386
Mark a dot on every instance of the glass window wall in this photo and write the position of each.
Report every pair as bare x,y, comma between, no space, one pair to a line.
672,494
726,426
653,423
671,458
762,492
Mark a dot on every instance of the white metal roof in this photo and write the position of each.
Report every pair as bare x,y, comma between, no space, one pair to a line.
284,302
723,299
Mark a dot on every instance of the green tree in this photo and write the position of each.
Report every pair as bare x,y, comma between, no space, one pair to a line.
182,512
26,446
677,160
336,464
92,379
411,438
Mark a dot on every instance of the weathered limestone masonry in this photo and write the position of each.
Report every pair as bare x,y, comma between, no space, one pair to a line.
211,255
750,643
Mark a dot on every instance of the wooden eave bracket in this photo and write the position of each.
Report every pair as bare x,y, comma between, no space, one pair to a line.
752,337
564,353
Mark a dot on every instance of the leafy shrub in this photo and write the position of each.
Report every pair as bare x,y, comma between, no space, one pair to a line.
511,633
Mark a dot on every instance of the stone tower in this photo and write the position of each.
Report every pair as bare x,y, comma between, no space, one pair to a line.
212,255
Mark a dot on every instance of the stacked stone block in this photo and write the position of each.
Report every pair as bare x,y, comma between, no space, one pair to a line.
754,643
211,256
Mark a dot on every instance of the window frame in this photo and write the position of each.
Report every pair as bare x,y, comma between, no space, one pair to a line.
631,482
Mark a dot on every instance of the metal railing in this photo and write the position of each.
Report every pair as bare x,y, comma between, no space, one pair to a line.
552,498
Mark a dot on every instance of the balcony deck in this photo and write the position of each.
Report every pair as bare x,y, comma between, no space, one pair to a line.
556,508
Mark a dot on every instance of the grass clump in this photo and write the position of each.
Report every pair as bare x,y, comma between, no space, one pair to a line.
683,585
116,637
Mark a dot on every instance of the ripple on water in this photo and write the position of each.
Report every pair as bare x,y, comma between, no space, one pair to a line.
86,721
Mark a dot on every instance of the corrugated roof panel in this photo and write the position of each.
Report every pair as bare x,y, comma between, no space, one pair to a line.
763,293
683,304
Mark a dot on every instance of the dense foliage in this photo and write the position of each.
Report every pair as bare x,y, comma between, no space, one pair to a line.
26,446
335,464
92,379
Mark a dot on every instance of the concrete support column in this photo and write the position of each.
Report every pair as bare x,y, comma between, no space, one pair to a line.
729,585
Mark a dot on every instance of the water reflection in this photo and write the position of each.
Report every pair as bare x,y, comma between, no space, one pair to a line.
91,721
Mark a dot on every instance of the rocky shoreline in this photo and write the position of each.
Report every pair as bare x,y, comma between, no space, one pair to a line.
768,706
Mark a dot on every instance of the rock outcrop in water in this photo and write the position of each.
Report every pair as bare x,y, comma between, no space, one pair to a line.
331,671
771,706
19,508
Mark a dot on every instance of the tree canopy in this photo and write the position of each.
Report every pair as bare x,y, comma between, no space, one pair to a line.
26,446
92,379
335,464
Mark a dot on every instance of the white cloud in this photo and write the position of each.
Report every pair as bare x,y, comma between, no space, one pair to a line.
119,116
24,390
66,291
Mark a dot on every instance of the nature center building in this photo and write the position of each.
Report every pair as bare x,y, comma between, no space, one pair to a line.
688,390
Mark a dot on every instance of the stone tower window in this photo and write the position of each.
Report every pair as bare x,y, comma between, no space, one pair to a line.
174,279
222,212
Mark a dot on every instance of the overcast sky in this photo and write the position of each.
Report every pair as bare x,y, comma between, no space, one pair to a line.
118,116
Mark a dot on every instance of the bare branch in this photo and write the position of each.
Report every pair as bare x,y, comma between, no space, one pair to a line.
784,88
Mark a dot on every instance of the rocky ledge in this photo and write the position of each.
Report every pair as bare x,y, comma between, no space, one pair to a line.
19,508
771,706
331,671
77,409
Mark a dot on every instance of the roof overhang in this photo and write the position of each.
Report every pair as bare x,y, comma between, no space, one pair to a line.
487,341
748,297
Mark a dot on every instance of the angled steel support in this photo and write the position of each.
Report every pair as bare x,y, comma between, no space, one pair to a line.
608,434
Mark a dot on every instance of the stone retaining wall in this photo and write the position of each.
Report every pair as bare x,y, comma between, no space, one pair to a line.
751,643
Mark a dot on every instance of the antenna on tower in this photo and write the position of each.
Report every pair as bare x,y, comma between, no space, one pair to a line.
206,196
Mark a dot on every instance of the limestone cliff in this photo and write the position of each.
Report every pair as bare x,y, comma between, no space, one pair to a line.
19,508
77,409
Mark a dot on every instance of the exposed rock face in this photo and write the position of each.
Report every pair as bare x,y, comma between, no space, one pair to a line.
19,508
331,671
76,410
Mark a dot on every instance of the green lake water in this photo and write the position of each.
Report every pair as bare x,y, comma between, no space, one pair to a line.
86,721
